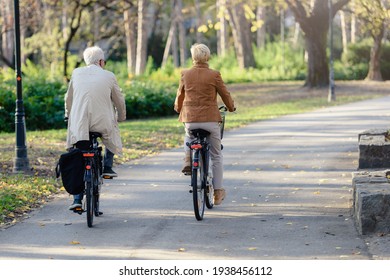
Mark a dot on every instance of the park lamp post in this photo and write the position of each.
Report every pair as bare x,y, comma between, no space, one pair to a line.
21,163
331,94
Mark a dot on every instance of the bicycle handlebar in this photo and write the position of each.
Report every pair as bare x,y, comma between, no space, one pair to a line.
223,108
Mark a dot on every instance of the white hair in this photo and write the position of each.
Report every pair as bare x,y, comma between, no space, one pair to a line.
92,55
200,53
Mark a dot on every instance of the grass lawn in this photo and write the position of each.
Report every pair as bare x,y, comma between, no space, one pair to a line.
255,102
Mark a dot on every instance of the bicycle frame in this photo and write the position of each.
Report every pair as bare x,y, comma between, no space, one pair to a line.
91,158
200,147
92,179
201,180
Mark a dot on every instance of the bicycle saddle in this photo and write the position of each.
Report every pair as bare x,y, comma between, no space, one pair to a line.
95,135
200,132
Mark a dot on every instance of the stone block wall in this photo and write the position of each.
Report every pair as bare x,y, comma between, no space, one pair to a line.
371,207
374,149
371,186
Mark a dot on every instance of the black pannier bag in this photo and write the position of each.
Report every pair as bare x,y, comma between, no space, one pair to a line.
71,168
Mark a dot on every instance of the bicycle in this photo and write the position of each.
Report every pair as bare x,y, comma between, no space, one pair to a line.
93,179
201,177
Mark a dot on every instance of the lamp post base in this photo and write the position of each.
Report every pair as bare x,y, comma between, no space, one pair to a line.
21,165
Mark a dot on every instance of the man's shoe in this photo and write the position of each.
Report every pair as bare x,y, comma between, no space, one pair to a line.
107,171
219,195
187,170
76,204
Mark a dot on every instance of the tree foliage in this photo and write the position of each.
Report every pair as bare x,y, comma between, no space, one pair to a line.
55,32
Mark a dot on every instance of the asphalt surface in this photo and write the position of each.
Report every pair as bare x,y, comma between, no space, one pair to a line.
289,197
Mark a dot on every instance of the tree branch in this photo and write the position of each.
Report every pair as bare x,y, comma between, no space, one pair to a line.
338,5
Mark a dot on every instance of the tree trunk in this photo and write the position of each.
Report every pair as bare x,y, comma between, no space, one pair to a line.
75,24
315,27
260,33
222,32
142,37
318,71
7,33
198,21
168,43
182,33
297,29
374,70
175,50
353,23
344,32
242,36
130,19
64,19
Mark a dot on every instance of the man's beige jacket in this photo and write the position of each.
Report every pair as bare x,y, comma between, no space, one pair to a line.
94,103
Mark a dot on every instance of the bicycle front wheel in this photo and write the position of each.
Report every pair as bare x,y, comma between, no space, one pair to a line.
90,201
198,187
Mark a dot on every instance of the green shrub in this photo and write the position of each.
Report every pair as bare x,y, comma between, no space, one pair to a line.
7,106
44,102
149,99
43,105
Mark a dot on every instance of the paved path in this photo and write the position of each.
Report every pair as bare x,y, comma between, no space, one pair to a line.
289,197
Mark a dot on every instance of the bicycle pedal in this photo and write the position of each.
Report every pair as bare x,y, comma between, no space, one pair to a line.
107,177
78,210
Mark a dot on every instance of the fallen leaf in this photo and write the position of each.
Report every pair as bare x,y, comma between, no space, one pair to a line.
252,248
74,242
181,250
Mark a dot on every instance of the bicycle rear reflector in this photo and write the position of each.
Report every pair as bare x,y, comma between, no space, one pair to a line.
88,155
196,146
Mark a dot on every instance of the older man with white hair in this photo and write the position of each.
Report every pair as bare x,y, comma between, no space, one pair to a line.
94,103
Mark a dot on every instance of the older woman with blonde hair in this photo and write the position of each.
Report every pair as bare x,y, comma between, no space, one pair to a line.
196,102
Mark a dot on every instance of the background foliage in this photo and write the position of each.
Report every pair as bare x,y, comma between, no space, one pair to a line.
153,94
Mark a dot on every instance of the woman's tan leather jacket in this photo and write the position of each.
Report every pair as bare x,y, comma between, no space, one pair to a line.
196,98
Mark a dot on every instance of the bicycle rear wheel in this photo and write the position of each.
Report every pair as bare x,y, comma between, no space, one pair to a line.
96,205
198,187
90,201
208,178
